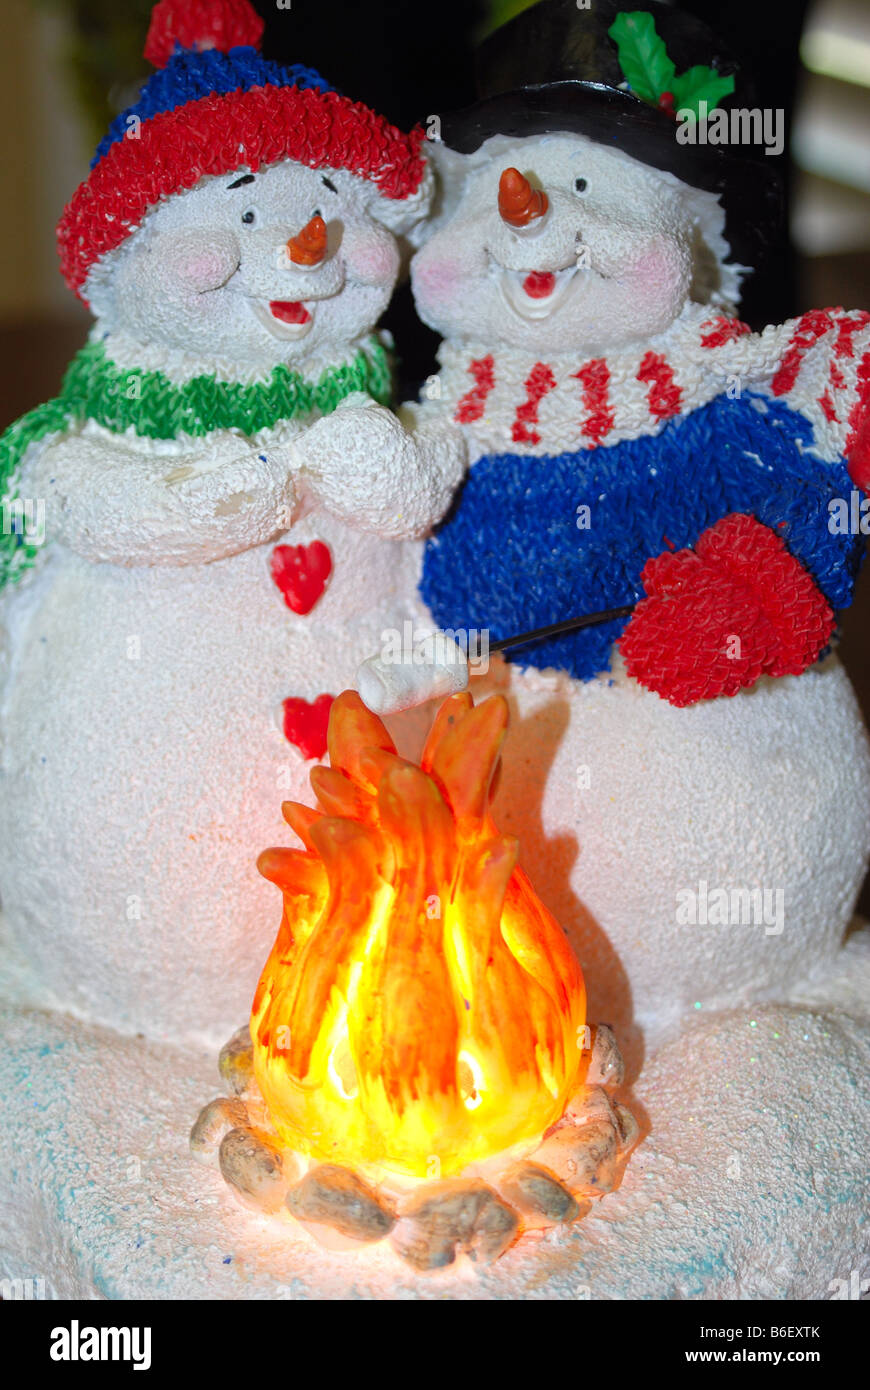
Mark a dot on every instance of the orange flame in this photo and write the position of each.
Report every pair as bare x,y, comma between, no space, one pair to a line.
421,1009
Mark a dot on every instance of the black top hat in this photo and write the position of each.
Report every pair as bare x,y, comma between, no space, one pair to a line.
555,67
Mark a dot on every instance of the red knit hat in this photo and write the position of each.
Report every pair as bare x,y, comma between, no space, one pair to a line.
216,106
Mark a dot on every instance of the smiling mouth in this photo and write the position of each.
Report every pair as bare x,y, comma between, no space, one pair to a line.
289,311
285,318
535,294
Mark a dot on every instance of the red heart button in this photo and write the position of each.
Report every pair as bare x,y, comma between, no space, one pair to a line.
306,724
301,572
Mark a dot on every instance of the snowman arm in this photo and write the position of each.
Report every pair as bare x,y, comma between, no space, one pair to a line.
366,468
112,502
849,394
819,365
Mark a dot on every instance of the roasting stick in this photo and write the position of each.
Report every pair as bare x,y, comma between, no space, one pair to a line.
539,634
390,686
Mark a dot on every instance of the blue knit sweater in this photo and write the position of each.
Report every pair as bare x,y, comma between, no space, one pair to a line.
519,551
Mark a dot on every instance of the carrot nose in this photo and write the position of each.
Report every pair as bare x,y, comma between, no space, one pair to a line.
519,203
308,247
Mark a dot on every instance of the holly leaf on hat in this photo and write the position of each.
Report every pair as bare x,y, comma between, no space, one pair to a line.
651,75
642,55
700,84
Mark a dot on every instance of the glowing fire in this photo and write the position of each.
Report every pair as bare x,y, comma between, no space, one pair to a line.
420,1002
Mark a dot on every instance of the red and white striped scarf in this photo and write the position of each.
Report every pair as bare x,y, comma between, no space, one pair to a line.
819,363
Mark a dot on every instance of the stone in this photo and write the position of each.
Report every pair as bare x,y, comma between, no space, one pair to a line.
212,1123
236,1061
494,1230
454,1214
256,1169
606,1067
583,1149
538,1193
333,1196
590,1103
629,1128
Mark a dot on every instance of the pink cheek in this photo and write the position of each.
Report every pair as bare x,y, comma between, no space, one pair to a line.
440,280
658,272
372,262
203,272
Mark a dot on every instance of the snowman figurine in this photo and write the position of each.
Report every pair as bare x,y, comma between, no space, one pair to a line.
689,779
228,509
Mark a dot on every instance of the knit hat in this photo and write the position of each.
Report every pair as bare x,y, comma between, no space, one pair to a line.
213,106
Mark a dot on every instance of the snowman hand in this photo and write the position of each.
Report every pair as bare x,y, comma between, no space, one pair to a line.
718,617
254,496
361,464
129,506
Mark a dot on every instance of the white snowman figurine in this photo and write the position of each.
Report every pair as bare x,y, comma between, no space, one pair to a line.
690,779
227,508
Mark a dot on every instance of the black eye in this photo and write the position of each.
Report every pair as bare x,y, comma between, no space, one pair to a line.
327,183
249,217
580,185
317,213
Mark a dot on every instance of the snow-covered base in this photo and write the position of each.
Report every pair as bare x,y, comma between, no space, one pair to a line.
748,1186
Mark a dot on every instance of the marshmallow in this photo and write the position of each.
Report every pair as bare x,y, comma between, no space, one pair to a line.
434,668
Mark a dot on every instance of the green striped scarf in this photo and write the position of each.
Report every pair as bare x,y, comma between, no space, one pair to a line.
151,405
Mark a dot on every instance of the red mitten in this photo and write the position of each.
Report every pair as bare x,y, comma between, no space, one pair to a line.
716,618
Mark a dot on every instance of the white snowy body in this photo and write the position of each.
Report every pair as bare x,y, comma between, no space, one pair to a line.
147,655
624,804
